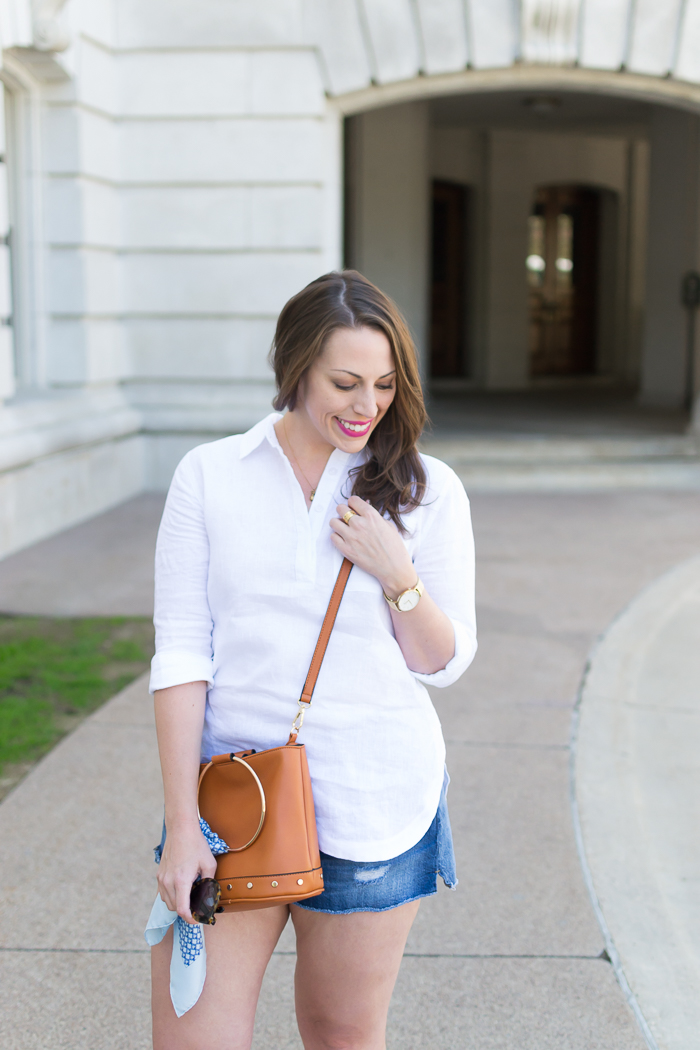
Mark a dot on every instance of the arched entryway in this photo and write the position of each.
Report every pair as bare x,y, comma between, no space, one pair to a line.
440,197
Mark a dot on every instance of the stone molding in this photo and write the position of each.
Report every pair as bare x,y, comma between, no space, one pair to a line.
681,94
43,426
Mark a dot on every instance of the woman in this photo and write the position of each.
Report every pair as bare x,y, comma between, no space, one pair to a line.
252,537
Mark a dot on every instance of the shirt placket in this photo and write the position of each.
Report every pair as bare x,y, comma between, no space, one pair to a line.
304,564
324,503
310,523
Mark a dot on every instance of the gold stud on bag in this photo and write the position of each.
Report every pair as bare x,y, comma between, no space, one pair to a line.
260,803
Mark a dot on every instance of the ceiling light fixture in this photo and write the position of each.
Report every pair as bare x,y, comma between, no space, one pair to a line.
542,103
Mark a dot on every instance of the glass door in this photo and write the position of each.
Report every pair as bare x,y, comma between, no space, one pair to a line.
562,274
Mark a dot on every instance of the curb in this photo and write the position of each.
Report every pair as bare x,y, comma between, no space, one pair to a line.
624,775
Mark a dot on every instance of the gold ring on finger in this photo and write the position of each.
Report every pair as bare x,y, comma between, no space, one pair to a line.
349,514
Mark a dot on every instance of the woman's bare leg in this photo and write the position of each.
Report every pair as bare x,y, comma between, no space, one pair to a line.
238,950
346,971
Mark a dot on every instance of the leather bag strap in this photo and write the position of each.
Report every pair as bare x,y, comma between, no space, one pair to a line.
326,628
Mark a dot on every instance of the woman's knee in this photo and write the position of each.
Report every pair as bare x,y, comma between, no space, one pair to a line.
320,1031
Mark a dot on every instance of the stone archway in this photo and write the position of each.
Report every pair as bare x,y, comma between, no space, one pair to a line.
378,53
390,43
650,339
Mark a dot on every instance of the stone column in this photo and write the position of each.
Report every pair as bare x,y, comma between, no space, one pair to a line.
672,249
509,200
388,198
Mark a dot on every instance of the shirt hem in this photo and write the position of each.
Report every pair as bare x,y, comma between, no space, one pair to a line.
386,849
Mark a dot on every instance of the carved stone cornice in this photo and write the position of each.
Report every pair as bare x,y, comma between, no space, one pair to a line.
549,31
49,32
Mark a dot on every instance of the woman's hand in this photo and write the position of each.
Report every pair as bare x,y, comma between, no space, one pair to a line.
179,711
374,545
186,855
425,635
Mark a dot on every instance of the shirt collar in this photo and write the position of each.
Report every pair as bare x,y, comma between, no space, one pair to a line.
257,434
265,429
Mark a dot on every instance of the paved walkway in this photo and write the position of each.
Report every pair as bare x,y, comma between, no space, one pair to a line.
103,567
511,960
577,440
584,412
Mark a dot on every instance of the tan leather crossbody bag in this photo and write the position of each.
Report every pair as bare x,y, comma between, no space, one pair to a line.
260,803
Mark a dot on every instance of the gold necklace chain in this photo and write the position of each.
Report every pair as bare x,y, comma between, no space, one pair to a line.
313,490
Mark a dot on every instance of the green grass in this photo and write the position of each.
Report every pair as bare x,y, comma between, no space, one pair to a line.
55,672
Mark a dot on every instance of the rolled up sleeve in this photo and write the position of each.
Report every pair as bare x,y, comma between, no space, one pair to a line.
182,617
445,563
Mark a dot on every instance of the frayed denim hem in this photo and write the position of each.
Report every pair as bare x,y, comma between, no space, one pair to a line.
449,885
355,911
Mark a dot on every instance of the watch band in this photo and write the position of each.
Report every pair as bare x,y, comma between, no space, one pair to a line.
394,602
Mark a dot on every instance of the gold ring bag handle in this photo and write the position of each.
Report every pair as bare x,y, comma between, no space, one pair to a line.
263,804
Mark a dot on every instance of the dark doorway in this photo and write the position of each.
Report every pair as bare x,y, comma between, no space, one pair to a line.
448,276
562,268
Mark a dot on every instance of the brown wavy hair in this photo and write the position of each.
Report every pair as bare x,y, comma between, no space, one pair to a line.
393,478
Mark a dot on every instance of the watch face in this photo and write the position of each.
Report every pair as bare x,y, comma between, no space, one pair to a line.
408,600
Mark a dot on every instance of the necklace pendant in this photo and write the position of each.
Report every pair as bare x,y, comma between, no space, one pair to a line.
311,497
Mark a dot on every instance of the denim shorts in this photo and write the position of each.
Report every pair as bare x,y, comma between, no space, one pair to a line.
351,885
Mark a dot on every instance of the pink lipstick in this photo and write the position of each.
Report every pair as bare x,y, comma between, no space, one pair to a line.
351,427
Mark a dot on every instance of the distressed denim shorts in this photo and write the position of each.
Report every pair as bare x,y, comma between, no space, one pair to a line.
352,886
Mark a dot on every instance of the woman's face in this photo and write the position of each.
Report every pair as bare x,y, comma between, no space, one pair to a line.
349,387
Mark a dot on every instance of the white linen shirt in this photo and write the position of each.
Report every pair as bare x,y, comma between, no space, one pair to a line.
244,573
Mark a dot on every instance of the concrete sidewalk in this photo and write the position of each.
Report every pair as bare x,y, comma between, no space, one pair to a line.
511,959
103,567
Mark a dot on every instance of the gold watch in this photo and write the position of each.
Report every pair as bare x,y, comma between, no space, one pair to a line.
407,600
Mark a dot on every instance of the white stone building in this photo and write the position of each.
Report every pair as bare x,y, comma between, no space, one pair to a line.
173,170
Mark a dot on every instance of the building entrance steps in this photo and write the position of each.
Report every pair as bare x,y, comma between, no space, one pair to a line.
541,463
582,439
513,958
